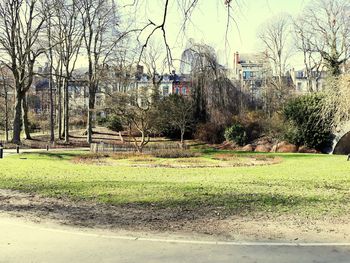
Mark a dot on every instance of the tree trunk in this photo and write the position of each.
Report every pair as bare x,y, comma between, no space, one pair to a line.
92,97
59,110
66,113
182,138
17,121
52,108
121,137
6,113
25,119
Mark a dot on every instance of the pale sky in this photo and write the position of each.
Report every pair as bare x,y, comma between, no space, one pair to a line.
208,24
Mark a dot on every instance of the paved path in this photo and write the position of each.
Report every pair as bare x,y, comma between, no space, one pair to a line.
23,241
13,151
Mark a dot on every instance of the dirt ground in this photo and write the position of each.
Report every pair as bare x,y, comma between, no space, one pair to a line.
77,139
205,222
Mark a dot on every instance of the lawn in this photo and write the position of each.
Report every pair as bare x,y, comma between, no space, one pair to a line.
308,186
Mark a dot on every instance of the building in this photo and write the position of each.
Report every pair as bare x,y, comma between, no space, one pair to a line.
181,84
303,84
249,70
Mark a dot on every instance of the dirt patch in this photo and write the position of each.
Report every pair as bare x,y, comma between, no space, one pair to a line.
203,220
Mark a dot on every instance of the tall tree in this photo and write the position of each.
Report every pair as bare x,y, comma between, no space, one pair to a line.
327,24
6,85
20,25
48,11
70,40
155,65
99,23
215,96
312,60
275,35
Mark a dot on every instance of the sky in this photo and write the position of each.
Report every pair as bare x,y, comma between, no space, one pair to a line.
208,23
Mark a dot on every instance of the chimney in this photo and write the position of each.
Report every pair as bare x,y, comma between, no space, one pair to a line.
236,58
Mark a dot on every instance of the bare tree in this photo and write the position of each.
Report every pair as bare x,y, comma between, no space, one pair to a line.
137,113
155,64
327,25
99,22
70,40
275,36
187,8
6,84
49,41
177,111
20,25
312,60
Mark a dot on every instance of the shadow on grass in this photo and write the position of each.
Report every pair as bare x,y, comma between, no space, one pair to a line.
176,205
242,153
53,155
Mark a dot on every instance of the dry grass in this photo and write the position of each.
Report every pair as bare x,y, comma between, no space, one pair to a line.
90,158
174,153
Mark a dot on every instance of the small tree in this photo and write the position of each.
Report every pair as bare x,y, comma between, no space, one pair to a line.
177,112
136,112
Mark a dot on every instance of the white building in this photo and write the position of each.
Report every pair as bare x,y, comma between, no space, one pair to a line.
303,84
249,70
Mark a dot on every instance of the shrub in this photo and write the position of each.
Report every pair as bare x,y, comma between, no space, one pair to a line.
253,122
311,130
236,133
210,133
102,121
114,124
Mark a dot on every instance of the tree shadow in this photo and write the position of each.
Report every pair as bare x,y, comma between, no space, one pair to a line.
53,155
170,212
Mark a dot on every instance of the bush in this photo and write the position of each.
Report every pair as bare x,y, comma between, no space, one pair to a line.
114,124
253,122
210,133
311,130
102,121
236,133
277,127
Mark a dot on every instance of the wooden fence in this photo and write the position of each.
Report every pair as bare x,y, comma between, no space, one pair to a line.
128,147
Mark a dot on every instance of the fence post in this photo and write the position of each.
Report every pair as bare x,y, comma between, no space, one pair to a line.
1,151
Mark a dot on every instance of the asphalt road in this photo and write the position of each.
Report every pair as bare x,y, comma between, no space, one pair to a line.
23,241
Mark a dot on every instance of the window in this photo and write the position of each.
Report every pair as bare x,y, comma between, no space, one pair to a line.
184,90
177,90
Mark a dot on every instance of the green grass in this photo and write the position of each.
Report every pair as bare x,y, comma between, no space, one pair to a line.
309,186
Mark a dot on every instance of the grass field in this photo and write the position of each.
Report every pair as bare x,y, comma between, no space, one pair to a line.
309,186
